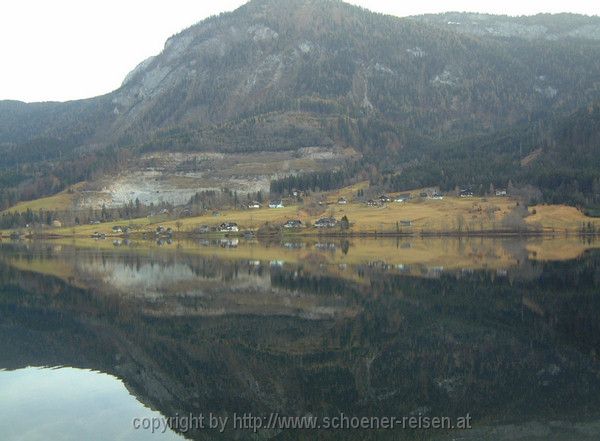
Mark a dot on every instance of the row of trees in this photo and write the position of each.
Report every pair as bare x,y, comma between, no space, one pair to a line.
317,181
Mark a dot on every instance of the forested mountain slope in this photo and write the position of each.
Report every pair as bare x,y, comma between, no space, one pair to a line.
282,75
559,157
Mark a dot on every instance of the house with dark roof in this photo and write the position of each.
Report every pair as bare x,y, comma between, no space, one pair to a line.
293,224
228,227
326,222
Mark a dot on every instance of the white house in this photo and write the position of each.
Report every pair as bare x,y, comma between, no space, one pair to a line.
293,224
229,227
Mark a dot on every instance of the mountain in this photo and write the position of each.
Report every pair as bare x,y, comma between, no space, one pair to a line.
558,158
551,27
279,75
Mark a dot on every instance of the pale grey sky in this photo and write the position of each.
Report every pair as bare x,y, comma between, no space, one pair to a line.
69,49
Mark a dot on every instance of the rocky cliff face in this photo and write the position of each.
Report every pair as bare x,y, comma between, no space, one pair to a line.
279,75
333,59
267,66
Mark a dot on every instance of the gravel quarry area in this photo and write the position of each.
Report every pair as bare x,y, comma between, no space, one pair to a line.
176,177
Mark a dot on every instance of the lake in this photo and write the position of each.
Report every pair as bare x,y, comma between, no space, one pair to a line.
343,339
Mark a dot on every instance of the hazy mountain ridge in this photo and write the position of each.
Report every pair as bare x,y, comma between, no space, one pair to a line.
541,26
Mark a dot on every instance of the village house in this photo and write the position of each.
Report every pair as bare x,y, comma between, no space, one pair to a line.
276,204
254,205
162,231
117,229
384,198
501,193
342,201
373,203
228,227
436,196
326,222
466,193
293,224
406,223
402,197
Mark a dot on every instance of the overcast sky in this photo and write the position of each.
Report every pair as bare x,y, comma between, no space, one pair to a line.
70,49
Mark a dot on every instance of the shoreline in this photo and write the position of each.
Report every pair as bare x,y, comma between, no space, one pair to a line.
252,234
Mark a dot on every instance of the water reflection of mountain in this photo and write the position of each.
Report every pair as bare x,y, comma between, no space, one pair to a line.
301,339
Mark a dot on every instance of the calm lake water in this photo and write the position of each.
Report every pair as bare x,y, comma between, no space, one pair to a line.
99,340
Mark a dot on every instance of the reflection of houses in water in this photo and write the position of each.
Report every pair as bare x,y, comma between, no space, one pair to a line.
401,267
121,242
432,272
379,264
276,263
294,245
325,246
229,243
475,360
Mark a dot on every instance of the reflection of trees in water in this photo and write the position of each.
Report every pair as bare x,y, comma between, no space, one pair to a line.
517,347
302,280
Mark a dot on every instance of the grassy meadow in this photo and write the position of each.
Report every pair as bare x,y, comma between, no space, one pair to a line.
416,216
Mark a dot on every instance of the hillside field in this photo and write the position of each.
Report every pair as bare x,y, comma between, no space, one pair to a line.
451,214
418,215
